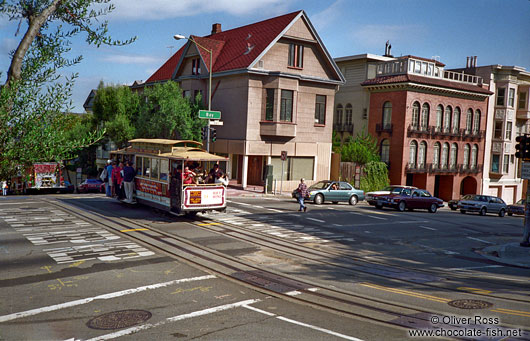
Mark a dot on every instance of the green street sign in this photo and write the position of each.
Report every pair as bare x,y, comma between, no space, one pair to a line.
210,115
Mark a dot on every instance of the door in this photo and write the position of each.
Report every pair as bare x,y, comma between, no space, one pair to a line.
437,186
255,170
333,193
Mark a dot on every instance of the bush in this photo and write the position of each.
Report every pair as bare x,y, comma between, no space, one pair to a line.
375,176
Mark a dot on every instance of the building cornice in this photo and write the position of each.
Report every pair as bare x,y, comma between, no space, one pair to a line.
411,86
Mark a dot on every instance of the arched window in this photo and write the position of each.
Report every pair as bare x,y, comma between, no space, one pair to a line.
476,122
415,115
445,155
474,156
436,155
454,155
439,118
466,155
387,115
338,114
456,120
447,119
424,116
413,151
385,151
349,118
469,121
422,154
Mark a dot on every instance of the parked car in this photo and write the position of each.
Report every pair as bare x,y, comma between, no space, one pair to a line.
517,208
325,191
68,187
408,198
90,185
482,204
453,204
371,197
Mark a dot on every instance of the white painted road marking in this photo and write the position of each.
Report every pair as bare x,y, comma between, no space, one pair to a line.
427,228
273,210
37,311
480,240
476,267
203,312
317,220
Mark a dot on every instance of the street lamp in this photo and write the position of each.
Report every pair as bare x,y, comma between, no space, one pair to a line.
179,37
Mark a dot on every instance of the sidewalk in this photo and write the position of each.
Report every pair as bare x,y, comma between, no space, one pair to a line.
236,190
511,254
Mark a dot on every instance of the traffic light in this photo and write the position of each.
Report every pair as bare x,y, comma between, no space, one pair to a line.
522,147
213,134
204,133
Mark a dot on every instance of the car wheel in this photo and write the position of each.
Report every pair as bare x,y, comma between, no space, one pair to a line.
463,211
319,199
353,200
402,206
453,208
433,208
379,206
510,214
502,212
482,211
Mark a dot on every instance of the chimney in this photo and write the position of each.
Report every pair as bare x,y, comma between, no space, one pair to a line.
467,63
475,61
216,28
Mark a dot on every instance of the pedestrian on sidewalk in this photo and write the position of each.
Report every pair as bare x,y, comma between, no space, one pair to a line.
117,179
128,181
302,193
4,188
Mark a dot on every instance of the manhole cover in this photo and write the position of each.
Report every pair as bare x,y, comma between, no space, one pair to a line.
119,319
470,304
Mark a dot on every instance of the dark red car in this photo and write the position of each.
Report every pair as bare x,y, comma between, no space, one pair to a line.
408,198
90,185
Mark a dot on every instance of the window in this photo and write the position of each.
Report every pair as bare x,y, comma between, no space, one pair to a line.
154,168
415,115
296,56
454,155
436,155
469,120
466,155
269,105
439,118
424,116
186,93
412,153
196,66
500,96
495,159
456,120
286,110
476,122
365,114
508,132
522,100
338,114
506,164
385,151
320,109
164,169
387,114
422,154
147,170
445,155
448,118
474,156
349,114
497,134
511,97
294,168
139,161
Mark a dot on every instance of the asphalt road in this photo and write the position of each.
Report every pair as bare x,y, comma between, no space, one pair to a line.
69,260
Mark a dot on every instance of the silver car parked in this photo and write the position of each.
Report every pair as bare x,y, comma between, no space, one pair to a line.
482,204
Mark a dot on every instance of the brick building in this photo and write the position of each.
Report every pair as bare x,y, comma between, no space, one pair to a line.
430,125
274,83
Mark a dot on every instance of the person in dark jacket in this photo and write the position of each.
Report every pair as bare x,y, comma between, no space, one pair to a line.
128,181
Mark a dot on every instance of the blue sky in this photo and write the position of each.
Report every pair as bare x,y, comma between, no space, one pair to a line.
497,31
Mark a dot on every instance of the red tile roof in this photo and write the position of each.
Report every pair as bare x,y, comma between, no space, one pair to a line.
233,49
426,80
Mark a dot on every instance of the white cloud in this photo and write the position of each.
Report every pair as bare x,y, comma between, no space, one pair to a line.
131,59
370,36
165,9
328,16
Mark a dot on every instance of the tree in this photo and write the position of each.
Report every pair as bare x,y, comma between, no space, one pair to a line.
165,113
34,97
116,109
375,176
361,150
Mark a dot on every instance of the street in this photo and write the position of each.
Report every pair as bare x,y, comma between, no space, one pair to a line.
80,267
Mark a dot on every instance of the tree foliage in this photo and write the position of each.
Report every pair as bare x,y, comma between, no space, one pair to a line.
34,98
375,176
361,150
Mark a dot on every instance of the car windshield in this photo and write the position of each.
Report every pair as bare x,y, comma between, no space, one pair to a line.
470,197
319,185
396,190
521,202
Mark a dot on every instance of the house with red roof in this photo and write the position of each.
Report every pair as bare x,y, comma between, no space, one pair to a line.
274,83
430,125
